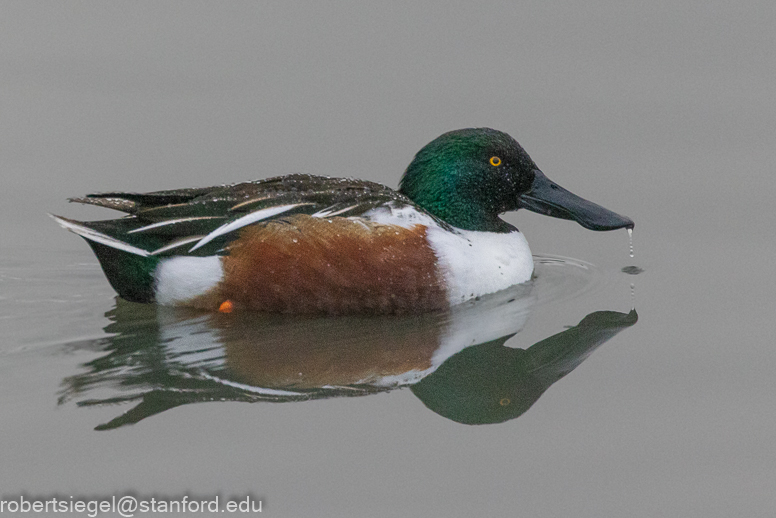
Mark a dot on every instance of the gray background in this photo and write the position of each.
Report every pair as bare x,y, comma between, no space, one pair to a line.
663,111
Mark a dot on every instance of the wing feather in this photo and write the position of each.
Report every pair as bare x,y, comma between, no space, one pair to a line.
162,222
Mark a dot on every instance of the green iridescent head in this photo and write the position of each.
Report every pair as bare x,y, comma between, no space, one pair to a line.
468,177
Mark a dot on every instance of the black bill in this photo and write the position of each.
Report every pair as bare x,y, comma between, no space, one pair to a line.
548,198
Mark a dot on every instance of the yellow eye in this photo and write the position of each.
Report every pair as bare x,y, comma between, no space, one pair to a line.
495,161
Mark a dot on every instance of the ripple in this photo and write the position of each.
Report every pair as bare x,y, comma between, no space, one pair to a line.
558,278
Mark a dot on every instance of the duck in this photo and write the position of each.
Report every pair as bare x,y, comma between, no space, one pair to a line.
308,244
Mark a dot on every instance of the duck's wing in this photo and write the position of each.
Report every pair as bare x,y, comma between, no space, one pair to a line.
203,221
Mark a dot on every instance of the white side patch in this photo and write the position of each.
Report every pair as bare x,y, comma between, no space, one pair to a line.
476,263
98,237
253,217
180,279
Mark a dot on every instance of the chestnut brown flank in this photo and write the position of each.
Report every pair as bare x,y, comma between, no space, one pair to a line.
311,265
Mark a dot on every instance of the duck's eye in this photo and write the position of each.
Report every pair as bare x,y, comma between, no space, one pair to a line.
495,161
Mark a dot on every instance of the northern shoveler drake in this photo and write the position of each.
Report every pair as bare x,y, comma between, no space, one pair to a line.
314,244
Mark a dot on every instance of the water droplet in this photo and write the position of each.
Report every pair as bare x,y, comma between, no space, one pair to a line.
632,270
630,240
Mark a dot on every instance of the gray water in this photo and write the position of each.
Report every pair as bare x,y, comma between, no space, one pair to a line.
664,112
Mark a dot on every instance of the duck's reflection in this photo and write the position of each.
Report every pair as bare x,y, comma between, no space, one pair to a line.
456,362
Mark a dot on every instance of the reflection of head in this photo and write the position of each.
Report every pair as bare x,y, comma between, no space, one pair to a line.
491,383
483,384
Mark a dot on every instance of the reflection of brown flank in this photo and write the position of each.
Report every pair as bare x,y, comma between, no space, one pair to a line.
323,351
303,264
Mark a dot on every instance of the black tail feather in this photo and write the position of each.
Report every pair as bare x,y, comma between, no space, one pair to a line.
132,276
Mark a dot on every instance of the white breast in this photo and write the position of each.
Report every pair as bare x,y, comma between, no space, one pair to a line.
476,263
